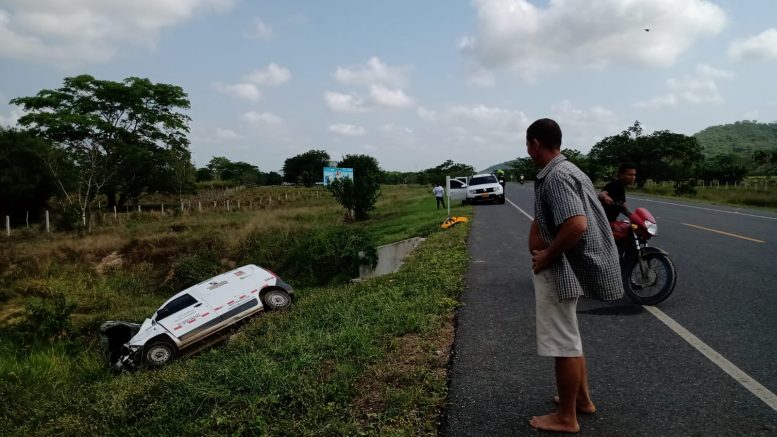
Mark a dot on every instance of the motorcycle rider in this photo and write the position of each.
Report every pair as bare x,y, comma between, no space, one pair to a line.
615,191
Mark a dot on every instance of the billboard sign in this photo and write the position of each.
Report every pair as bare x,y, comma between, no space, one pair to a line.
332,173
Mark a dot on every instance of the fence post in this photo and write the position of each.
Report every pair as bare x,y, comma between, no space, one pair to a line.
238,204
227,205
27,219
8,226
115,216
48,228
214,204
163,208
287,195
199,206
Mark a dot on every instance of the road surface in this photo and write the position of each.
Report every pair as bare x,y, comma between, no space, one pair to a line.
702,363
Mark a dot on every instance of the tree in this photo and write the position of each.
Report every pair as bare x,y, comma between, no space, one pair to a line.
306,168
273,178
25,182
662,155
448,168
358,196
114,133
525,167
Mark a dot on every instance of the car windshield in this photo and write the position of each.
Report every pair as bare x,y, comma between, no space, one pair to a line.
480,180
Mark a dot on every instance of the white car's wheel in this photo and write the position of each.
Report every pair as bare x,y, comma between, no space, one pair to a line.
276,300
159,353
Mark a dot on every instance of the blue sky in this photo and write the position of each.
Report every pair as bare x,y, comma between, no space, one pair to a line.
412,83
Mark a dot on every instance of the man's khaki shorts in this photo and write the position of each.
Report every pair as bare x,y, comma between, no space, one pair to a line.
557,331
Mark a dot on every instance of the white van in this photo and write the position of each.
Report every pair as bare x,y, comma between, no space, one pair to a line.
195,314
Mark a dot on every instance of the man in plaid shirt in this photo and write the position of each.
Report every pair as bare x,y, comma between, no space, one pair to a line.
573,255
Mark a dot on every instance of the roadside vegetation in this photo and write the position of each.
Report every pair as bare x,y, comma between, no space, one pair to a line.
367,358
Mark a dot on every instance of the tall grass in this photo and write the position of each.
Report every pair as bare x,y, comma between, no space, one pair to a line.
364,358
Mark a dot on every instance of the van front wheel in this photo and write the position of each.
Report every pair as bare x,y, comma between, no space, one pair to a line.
159,353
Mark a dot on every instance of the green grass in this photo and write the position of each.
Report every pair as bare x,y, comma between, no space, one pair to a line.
346,359
734,196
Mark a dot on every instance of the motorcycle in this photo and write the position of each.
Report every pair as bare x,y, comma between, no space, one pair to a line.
648,273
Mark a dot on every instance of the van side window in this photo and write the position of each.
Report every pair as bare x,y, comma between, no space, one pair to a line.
175,305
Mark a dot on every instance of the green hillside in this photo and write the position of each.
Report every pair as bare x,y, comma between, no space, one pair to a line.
741,138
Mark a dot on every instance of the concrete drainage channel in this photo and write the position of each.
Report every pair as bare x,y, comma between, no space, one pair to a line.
390,257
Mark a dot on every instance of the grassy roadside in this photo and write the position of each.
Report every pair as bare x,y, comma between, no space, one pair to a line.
365,358
732,196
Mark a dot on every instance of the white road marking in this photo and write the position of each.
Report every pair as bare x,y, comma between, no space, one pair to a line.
719,360
519,209
706,209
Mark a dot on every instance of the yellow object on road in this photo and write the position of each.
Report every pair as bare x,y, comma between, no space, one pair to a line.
451,221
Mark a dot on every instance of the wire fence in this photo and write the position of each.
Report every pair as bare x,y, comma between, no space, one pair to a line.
206,202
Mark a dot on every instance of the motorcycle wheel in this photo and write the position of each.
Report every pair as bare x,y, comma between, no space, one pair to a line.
653,285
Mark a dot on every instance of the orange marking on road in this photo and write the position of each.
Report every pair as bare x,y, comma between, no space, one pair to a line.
725,233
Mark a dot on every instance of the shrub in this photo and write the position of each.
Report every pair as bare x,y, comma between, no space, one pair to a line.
319,257
48,321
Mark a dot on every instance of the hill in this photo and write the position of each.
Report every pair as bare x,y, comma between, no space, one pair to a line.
741,138
504,166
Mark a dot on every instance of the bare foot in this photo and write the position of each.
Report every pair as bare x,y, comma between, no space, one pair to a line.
554,422
586,407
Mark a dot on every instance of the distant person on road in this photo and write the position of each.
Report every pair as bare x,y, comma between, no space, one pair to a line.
439,194
573,255
615,191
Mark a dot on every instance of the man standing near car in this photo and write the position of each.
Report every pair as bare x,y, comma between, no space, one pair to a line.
573,255
615,191
439,194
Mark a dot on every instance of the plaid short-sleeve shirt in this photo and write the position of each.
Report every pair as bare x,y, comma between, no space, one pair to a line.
591,267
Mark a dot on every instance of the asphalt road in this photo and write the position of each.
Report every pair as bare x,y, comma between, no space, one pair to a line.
646,378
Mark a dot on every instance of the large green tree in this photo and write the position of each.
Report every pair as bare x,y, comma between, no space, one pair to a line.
358,196
662,155
306,168
117,135
436,175
25,183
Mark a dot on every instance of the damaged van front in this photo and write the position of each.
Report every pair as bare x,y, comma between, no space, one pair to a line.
190,320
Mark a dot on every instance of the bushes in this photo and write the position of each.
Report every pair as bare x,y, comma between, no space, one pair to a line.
310,258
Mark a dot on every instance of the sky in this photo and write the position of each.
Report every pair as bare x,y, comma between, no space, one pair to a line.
411,83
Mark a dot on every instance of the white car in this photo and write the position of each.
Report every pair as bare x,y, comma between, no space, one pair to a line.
194,316
485,187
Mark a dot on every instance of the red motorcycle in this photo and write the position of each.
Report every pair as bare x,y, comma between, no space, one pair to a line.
649,275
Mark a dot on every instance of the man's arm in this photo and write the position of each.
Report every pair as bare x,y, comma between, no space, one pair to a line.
605,198
569,233
536,242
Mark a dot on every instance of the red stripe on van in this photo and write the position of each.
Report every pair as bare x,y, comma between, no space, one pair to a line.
218,308
205,314
177,328
254,291
230,302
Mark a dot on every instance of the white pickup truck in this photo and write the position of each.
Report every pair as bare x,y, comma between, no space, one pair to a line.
193,317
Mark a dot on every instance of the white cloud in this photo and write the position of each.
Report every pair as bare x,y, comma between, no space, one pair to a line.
392,128
481,78
254,117
349,130
88,31
260,30
583,128
374,71
698,89
246,91
761,46
530,40
273,75
344,102
383,96
226,134
427,114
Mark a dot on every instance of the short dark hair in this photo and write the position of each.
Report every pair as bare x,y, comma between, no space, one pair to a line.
546,131
626,166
